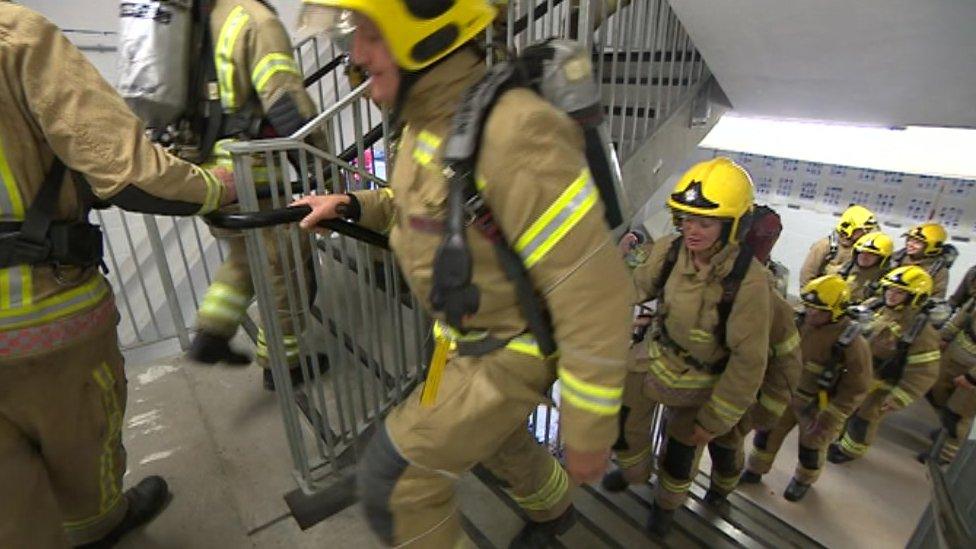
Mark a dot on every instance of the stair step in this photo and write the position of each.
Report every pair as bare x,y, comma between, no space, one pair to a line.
487,514
703,526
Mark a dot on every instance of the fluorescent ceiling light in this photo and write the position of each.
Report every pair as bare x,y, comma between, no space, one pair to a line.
943,152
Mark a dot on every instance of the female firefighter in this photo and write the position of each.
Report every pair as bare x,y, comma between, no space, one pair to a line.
906,355
782,371
708,357
868,262
534,178
829,254
925,246
835,379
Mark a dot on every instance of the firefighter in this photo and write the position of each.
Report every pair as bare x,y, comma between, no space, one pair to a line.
67,140
533,175
954,393
260,86
868,262
835,379
782,370
966,289
925,246
708,355
830,253
905,350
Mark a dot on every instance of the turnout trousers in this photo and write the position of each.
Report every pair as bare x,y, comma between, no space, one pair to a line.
61,453
409,471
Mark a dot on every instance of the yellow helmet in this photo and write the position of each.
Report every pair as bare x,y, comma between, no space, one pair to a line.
911,279
933,234
827,293
856,218
876,243
715,188
418,32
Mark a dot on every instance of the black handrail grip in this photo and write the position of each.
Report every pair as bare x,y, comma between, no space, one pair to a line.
323,70
292,214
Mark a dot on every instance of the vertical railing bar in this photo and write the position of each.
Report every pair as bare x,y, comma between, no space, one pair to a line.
640,88
630,23
658,57
186,263
166,279
200,246
142,281
118,277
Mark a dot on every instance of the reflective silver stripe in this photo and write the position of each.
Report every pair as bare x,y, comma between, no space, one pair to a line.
11,203
556,221
17,298
60,305
270,65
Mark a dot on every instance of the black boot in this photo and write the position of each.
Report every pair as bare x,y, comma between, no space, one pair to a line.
661,521
146,500
717,500
614,481
211,349
296,373
543,534
836,455
796,490
749,477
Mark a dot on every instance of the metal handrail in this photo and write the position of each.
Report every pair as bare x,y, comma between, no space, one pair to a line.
293,214
949,519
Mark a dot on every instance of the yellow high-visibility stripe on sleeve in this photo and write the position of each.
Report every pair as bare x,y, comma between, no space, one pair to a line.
215,191
725,409
270,65
598,399
558,219
224,55
921,358
787,345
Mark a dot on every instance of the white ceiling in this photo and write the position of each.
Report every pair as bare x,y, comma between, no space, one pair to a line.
879,62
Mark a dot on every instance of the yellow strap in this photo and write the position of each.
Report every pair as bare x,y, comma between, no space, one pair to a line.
558,219
822,400
270,65
428,397
224,55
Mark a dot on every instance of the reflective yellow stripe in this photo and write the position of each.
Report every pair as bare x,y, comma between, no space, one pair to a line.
777,407
787,346
549,494
215,191
851,447
920,358
426,147
725,409
902,396
270,65
635,460
525,343
674,485
109,489
11,203
813,367
728,483
56,306
227,294
700,336
598,399
224,55
762,455
292,349
558,219
688,380
16,287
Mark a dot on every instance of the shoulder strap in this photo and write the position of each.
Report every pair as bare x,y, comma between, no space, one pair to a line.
730,288
670,259
40,214
204,93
